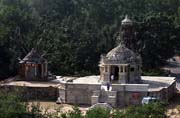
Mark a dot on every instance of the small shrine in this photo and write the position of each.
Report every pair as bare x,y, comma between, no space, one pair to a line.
33,67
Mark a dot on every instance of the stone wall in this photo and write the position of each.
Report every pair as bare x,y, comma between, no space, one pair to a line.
133,98
80,93
88,94
171,90
130,94
41,93
165,93
126,94
34,93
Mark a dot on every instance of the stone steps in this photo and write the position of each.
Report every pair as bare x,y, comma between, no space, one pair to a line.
109,97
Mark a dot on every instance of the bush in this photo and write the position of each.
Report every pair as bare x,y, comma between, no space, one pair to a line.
13,105
98,113
117,114
154,110
75,113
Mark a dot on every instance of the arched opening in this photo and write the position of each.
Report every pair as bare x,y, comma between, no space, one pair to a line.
116,73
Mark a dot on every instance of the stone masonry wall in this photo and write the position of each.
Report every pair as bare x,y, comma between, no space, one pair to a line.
164,93
34,93
126,94
80,93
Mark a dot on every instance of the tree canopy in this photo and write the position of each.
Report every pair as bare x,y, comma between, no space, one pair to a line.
73,33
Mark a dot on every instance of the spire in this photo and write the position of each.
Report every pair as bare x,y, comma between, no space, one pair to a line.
127,33
126,21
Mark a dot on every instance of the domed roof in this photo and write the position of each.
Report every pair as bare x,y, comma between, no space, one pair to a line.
121,55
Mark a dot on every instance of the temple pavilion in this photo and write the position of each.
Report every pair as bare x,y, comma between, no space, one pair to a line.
33,67
122,62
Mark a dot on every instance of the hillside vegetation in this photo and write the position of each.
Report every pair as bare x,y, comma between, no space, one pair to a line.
72,34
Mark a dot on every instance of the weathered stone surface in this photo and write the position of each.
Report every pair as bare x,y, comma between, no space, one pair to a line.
34,93
94,99
101,105
80,93
118,87
136,87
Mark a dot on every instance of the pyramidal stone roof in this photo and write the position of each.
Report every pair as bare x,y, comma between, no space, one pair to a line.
33,56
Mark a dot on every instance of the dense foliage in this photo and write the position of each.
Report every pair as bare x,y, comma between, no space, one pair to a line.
73,33
14,105
153,110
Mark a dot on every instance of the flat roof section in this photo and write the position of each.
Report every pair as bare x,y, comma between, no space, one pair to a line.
157,83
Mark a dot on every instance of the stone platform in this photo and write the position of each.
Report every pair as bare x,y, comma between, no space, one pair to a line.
87,90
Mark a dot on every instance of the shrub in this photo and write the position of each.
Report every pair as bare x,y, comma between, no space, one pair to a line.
75,113
98,113
12,105
117,114
153,110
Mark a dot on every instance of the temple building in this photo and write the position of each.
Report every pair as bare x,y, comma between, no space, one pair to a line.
33,67
119,84
122,62
120,69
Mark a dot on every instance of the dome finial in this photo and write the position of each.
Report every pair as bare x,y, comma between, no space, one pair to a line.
126,16
126,21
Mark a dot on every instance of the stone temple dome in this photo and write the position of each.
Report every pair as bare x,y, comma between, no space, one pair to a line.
122,55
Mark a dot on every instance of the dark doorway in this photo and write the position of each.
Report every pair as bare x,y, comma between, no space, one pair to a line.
39,70
116,73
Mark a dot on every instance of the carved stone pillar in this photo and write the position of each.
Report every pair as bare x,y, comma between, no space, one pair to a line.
109,68
101,73
123,69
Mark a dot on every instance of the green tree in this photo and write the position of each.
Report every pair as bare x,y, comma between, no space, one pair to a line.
72,34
